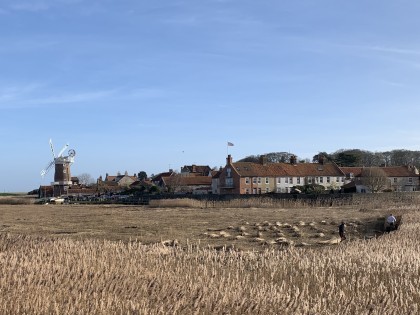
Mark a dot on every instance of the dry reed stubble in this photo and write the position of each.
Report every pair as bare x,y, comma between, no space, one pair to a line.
41,275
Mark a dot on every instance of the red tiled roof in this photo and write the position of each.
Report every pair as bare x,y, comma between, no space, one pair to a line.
250,169
202,169
187,180
356,171
390,171
158,177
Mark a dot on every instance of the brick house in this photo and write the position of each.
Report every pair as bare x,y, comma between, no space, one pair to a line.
184,184
265,177
201,170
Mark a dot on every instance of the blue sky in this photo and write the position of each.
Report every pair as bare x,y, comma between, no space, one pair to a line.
151,85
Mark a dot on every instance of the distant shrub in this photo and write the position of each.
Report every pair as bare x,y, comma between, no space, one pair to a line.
15,201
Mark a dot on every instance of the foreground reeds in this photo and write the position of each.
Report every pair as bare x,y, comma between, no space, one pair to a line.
64,276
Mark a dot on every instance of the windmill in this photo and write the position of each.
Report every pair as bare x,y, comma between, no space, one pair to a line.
62,177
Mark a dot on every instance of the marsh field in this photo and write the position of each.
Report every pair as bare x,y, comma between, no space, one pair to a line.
182,259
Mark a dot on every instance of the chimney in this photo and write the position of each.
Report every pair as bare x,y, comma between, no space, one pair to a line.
263,160
293,159
229,160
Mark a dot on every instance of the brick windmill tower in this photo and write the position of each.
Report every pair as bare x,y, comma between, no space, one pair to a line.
62,176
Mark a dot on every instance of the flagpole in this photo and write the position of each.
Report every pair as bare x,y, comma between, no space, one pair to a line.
228,144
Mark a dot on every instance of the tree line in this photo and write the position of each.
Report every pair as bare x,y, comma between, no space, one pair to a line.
348,158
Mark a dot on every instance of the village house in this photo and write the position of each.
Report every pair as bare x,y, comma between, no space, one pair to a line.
115,183
194,179
398,178
265,177
196,170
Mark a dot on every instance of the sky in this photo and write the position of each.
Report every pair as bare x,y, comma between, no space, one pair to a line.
134,85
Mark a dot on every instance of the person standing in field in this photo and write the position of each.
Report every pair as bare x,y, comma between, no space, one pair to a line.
391,221
341,231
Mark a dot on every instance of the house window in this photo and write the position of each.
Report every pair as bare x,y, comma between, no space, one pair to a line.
228,172
286,180
298,180
410,180
266,180
321,179
395,180
259,191
278,180
328,179
229,182
259,180
254,180
267,190
247,191
246,180
338,179
342,179
291,180
254,191
309,180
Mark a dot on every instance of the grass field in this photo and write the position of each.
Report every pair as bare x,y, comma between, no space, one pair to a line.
245,229
61,259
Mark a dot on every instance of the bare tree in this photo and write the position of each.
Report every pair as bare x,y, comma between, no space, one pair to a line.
374,178
85,179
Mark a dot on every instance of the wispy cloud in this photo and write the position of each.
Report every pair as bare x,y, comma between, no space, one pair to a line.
32,6
37,95
35,5
13,93
392,50
72,98
385,50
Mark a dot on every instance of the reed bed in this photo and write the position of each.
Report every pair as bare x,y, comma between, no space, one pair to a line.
365,201
65,276
16,200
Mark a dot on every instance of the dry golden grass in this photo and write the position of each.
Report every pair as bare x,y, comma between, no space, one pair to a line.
212,227
82,273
